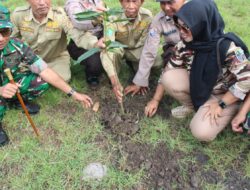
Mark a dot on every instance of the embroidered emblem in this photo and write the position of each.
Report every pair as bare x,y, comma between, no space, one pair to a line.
109,32
52,26
152,32
239,53
143,24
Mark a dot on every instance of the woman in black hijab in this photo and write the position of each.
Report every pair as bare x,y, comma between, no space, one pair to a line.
216,74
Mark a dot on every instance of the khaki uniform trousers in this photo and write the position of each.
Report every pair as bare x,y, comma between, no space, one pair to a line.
132,56
61,65
176,84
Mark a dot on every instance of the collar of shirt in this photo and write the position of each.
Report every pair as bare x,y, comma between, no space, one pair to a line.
50,16
164,16
137,19
9,48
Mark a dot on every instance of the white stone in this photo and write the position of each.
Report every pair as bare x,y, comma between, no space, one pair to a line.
95,171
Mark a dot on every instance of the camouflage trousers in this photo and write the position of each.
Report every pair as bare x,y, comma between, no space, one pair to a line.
32,86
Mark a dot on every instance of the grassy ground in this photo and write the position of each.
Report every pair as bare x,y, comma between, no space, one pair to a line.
70,134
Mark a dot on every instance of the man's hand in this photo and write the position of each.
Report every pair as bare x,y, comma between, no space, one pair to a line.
214,112
84,99
9,90
100,43
237,120
101,8
117,89
151,107
134,89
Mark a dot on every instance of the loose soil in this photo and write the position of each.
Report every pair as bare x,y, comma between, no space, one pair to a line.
163,168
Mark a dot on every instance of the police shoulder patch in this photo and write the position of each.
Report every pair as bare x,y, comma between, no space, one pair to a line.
239,54
152,32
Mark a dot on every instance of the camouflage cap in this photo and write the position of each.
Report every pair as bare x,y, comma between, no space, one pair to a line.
5,18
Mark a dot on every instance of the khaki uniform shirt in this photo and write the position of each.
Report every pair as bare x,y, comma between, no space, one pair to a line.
161,25
132,34
48,39
73,7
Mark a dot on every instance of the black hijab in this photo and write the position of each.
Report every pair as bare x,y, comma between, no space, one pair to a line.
207,27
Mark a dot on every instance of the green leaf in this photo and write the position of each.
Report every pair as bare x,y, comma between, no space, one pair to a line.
87,54
113,50
115,44
114,11
107,43
88,15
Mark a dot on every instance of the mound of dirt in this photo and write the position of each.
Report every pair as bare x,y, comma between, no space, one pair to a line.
162,167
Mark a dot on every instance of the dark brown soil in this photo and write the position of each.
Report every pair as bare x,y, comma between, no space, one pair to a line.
164,169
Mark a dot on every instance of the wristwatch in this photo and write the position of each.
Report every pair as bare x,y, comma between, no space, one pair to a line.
222,104
71,92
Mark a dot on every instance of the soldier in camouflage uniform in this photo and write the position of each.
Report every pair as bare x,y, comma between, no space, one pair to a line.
30,73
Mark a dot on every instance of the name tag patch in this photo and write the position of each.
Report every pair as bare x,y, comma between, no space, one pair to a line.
26,29
169,32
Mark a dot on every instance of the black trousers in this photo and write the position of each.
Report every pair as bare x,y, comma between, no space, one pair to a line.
93,64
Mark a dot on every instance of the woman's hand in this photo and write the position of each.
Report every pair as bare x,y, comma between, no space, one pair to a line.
237,120
151,107
214,112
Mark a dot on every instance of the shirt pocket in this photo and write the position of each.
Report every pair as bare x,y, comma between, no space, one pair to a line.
121,36
28,34
51,34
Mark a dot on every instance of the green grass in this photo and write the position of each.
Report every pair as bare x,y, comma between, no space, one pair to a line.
68,133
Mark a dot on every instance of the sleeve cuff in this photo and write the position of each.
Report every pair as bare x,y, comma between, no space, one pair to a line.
140,82
38,66
237,93
87,41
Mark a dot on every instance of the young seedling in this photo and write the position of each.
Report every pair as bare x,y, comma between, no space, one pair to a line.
111,46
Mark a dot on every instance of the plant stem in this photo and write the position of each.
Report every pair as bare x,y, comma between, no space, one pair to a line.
105,39
122,108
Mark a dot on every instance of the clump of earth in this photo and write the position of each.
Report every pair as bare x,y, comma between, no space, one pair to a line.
164,168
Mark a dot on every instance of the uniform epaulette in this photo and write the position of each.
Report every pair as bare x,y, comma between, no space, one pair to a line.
145,11
23,8
59,10
16,40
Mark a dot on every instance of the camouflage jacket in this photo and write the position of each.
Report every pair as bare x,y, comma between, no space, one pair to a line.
236,69
21,60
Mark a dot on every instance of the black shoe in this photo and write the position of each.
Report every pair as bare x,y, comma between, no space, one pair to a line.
4,139
31,107
93,81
